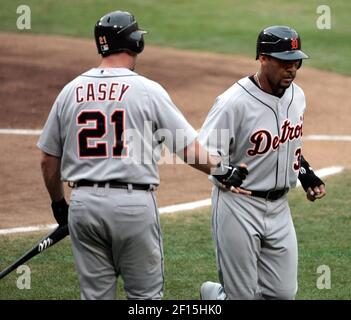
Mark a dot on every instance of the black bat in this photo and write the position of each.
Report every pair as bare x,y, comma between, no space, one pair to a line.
55,236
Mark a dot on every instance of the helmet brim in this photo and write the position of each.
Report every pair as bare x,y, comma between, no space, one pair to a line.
288,55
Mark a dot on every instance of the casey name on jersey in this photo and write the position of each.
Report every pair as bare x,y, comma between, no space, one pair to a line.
263,140
102,91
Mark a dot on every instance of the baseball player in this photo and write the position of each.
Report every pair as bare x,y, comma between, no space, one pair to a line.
103,135
256,247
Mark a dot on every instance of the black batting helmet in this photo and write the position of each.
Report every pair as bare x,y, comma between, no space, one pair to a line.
280,42
118,31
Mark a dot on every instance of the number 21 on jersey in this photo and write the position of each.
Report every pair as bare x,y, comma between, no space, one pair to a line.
102,125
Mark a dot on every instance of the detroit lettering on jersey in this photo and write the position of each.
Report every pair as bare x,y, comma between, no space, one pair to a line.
263,140
264,131
89,92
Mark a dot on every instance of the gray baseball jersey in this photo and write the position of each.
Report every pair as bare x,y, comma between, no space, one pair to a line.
108,124
259,129
255,240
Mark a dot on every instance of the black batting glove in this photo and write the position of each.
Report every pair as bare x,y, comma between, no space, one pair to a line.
60,211
307,176
230,175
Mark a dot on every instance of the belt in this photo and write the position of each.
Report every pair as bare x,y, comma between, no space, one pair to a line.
112,184
270,194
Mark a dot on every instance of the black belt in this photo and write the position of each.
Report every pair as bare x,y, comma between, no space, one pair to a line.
112,184
270,194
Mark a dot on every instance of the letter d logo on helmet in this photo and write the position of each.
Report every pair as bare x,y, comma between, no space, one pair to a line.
118,31
280,42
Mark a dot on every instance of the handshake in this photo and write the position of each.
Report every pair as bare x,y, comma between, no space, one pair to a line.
231,176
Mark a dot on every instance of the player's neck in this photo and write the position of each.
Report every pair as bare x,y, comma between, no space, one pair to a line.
266,86
120,60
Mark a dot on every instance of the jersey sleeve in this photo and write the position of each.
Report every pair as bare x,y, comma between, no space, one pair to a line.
50,139
172,127
217,132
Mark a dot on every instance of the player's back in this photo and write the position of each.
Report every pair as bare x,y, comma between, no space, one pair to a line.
107,118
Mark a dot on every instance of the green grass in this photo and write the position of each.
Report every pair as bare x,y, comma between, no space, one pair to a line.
323,231
225,26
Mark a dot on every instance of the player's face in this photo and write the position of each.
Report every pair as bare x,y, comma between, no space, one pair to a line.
281,73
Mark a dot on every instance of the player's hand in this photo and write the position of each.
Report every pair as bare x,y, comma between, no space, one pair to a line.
313,186
316,193
60,211
232,176
238,189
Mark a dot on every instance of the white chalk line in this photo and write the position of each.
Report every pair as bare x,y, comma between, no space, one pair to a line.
28,229
164,210
21,132
315,137
318,137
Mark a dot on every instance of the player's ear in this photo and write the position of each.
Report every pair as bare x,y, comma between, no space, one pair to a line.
263,59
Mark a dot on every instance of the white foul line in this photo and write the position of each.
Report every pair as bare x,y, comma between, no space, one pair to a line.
317,137
28,229
185,206
22,132
169,209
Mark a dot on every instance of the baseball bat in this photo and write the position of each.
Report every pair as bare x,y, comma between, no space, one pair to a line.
55,236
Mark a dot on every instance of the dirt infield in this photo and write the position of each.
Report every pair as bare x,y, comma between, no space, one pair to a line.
35,68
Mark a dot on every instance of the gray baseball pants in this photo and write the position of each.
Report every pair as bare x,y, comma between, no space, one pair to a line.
116,232
256,246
